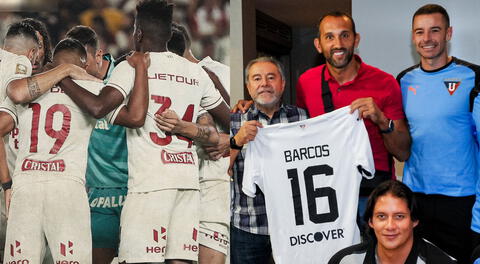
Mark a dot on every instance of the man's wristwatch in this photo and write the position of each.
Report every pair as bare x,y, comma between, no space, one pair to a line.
233,144
390,128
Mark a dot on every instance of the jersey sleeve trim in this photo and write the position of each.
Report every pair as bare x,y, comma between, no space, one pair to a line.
119,88
11,113
113,115
213,105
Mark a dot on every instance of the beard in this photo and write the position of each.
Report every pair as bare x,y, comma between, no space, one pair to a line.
340,63
273,101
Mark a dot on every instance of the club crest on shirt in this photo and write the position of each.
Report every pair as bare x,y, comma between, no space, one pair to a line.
21,69
452,84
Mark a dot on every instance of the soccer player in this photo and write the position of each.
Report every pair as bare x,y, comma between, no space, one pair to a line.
174,84
107,171
437,93
44,50
214,160
392,216
51,168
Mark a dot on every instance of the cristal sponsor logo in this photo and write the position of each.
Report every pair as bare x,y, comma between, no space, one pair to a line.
302,239
452,84
108,202
174,78
66,248
54,165
179,158
156,237
16,250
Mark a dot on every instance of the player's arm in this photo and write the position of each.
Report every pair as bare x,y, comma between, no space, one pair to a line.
133,114
203,131
398,140
221,114
99,105
6,126
218,85
219,150
27,89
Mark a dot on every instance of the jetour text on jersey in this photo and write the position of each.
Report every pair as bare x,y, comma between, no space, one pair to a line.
174,78
306,153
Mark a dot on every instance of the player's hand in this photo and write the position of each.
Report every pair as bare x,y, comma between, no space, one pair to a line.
77,73
367,108
247,132
169,121
8,195
242,106
137,58
219,150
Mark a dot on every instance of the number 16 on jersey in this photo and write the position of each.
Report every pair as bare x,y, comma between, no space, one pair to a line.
312,193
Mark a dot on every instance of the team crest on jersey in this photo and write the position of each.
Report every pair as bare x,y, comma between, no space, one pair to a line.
21,69
179,158
452,84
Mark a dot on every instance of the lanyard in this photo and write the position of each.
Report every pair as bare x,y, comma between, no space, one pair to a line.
326,94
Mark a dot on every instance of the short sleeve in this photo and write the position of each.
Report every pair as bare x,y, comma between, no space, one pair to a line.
10,108
251,169
19,67
123,78
363,149
211,98
110,117
393,107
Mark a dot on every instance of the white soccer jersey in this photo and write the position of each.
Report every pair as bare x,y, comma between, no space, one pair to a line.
310,174
54,133
12,67
221,70
158,160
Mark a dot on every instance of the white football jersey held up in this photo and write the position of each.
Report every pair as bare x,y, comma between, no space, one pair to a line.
158,160
54,133
310,173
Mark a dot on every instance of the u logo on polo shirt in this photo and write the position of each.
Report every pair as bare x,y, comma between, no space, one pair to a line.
452,84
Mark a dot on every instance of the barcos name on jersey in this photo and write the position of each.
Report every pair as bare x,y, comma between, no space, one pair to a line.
307,153
316,237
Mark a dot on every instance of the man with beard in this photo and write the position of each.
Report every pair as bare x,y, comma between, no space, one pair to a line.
443,166
346,80
250,242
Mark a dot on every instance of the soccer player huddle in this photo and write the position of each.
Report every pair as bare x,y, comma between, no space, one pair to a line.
150,113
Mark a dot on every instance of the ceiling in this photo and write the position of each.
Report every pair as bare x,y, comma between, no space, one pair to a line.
301,12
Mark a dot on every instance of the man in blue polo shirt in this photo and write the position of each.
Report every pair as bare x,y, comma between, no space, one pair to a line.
442,168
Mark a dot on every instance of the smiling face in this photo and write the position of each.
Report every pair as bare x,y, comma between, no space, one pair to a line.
430,35
392,223
337,41
265,84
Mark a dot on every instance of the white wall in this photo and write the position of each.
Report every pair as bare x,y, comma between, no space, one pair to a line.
236,52
385,31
